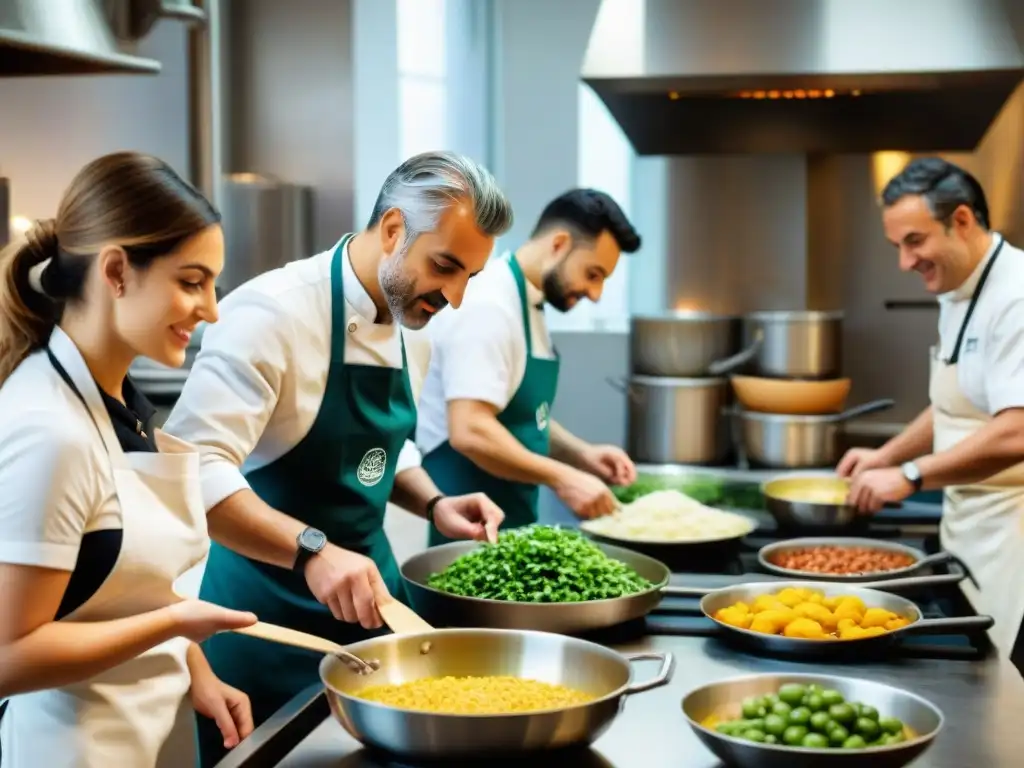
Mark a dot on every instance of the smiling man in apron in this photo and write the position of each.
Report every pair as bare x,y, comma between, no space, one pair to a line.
970,441
485,412
300,401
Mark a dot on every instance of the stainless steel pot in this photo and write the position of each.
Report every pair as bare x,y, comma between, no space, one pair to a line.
723,698
550,658
796,442
682,344
677,421
796,345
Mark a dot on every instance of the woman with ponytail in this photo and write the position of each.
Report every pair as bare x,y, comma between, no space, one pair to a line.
99,514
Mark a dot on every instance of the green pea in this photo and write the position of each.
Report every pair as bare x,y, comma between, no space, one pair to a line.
775,724
820,722
794,735
771,739
855,742
869,712
815,741
814,702
842,713
751,707
890,725
867,728
800,716
753,734
838,735
793,694
782,709
831,696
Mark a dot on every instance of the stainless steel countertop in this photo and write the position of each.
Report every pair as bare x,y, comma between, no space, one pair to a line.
983,702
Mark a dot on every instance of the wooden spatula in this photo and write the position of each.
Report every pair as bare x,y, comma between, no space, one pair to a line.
293,637
402,619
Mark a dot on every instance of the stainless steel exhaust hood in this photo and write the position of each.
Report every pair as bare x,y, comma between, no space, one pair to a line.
742,76
82,37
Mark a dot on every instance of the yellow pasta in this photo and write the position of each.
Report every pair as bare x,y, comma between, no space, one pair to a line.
498,695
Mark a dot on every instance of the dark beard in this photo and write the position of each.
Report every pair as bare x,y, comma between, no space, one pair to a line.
555,292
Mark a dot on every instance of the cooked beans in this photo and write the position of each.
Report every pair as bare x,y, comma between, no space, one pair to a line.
842,560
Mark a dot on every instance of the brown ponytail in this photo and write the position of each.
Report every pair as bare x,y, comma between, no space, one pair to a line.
26,316
128,199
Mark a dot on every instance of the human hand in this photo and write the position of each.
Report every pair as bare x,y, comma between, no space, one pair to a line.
198,619
873,489
349,584
584,494
857,460
472,516
213,698
610,463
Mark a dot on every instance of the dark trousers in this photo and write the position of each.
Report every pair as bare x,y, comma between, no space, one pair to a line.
1017,653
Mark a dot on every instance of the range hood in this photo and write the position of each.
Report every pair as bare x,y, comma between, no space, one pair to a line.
741,76
82,37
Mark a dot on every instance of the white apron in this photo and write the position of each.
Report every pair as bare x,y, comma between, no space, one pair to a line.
982,524
136,715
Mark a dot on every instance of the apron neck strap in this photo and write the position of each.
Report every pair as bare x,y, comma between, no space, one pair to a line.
955,357
520,278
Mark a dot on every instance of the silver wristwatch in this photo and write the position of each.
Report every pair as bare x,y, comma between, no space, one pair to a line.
911,471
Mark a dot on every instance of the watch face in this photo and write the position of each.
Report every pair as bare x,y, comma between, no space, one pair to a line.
911,472
312,540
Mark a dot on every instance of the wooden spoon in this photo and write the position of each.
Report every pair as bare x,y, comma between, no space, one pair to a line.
286,636
402,619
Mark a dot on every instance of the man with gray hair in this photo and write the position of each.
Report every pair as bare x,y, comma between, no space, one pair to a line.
301,406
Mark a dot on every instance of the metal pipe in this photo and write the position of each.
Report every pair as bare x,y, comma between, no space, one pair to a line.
204,102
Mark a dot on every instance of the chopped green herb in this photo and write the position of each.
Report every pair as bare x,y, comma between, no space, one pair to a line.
539,564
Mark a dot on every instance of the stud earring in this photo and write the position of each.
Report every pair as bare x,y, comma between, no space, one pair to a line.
120,290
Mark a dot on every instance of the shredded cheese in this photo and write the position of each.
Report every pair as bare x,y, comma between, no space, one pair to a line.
665,516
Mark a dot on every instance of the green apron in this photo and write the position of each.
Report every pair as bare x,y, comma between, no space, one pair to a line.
527,417
337,479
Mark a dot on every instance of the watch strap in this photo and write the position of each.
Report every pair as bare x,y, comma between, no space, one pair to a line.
430,507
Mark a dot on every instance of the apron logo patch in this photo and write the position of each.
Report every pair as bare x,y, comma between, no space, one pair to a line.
372,466
543,416
971,345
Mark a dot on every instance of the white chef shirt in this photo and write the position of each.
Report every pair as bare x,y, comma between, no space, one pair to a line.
54,472
478,351
256,385
991,365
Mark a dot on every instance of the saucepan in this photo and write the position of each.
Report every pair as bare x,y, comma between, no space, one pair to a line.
445,609
413,733
713,601
845,559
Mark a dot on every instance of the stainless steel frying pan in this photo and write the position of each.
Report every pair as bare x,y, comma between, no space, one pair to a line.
714,600
768,553
443,609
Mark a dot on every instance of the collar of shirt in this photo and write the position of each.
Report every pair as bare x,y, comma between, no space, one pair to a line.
355,293
966,289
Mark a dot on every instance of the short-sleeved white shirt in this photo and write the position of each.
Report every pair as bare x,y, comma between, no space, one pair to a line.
991,364
56,483
256,385
478,351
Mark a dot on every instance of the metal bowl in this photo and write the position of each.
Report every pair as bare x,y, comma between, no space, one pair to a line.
550,658
819,516
723,698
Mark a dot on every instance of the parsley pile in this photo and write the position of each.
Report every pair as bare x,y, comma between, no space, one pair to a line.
539,564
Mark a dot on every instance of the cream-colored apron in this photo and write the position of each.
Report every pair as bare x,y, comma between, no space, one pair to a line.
982,524
136,715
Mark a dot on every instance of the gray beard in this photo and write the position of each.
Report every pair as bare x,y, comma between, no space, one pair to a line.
397,290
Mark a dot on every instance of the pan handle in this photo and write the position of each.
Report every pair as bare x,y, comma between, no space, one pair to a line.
895,585
948,626
673,591
730,364
664,676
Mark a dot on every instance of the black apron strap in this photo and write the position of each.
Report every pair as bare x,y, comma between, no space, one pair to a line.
955,357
